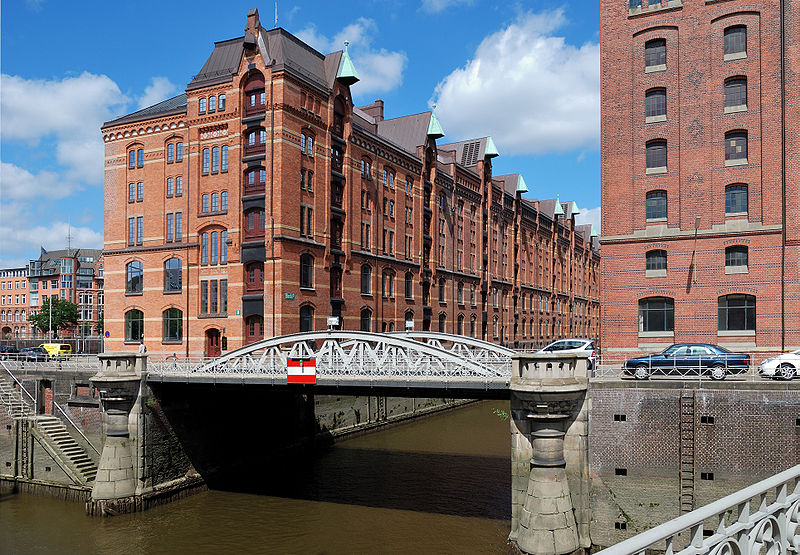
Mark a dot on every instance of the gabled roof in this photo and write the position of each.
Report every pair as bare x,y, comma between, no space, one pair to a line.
509,181
469,152
294,56
408,132
174,105
221,66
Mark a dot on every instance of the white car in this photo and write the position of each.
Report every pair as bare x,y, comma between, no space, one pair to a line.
572,346
785,366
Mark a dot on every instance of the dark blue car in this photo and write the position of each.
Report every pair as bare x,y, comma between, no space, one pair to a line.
689,358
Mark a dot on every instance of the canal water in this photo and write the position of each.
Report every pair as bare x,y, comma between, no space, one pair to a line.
437,485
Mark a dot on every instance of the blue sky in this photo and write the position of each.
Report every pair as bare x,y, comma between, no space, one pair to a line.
526,73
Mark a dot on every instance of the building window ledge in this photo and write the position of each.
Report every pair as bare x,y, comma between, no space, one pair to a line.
736,333
653,69
736,270
657,334
172,342
735,109
133,293
735,56
213,315
656,6
655,171
735,214
178,292
736,162
656,220
655,273
655,119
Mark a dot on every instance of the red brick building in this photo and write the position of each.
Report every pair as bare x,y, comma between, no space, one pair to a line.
700,174
263,201
14,303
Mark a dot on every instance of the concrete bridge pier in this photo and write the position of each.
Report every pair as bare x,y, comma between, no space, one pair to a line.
117,485
549,432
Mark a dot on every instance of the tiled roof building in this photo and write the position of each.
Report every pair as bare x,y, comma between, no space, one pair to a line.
263,201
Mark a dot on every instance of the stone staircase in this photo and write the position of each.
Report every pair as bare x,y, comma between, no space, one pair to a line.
52,435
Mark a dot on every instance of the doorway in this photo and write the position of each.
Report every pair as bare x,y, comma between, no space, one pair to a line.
213,343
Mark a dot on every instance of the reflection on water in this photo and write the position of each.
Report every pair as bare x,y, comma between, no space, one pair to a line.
437,485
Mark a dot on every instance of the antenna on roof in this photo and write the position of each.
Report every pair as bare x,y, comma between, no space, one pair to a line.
276,15
69,237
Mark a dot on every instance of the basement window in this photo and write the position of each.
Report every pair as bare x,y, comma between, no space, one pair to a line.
621,471
620,418
620,525
705,419
707,476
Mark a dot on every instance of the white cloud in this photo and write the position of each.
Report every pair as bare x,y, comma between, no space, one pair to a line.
589,216
379,70
19,183
527,88
20,237
160,88
70,110
436,6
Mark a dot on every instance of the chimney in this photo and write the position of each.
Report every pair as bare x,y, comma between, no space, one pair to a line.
252,28
375,110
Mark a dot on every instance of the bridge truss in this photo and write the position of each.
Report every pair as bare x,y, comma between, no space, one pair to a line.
431,361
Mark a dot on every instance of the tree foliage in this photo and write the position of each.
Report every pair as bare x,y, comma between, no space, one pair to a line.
65,315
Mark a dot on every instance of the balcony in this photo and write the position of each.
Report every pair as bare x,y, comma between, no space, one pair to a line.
254,189
338,125
255,149
337,159
337,197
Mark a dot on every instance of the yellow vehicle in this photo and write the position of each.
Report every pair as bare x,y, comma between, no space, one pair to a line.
57,350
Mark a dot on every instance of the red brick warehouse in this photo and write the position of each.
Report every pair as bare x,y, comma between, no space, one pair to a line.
700,174
262,201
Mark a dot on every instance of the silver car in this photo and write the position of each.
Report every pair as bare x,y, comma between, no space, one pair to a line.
572,346
783,366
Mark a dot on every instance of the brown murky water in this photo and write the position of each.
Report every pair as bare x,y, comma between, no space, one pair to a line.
438,485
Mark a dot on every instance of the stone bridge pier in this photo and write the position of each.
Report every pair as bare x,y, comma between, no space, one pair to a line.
549,454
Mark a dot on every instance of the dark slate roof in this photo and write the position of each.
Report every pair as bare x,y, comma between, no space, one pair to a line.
52,259
548,208
467,152
296,57
408,132
221,66
174,105
509,182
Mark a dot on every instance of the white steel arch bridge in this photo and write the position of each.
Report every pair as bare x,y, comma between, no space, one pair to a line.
445,364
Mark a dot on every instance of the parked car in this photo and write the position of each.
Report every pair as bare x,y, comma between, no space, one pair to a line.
572,346
57,350
35,354
8,351
689,358
783,366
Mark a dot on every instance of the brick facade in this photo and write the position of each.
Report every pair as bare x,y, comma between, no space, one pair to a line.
372,203
698,228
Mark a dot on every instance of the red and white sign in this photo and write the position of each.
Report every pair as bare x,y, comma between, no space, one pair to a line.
300,370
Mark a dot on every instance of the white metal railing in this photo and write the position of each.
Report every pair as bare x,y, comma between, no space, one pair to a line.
77,362
615,369
762,518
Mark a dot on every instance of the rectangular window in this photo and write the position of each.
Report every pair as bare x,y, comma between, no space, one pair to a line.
179,152
215,159
132,159
736,199
204,203
223,203
736,93
212,104
214,247
310,182
131,192
203,297
178,226
214,202
170,186
139,192
139,229
170,223
179,186
206,160
223,247
140,158
212,296
225,158
204,249
170,153
302,179
201,106
223,295
655,103
655,53
221,103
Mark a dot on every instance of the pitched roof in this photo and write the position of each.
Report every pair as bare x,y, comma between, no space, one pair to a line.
174,105
221,66
470,151
408,132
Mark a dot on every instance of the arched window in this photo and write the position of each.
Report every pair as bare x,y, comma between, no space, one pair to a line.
737,313
366,279
134,275
735,147
215,159
736,259
173,276
460,290
656,205
495,328
387,283
409,318
306,317
656,156
736,199
338,117
523,327
655,103
656,314
442,322
254,276
460,324
306,271
409,286
735,42
366,319
173,325
655,53
736,94
254,93
472,325
442,284
134,325
656,260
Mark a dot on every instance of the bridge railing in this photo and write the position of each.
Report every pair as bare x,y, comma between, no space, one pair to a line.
762,518
77,362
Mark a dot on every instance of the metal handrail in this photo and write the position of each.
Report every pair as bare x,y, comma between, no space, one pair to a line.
55,404
744,521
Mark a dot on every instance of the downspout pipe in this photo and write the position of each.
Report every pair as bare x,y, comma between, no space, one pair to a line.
783,172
